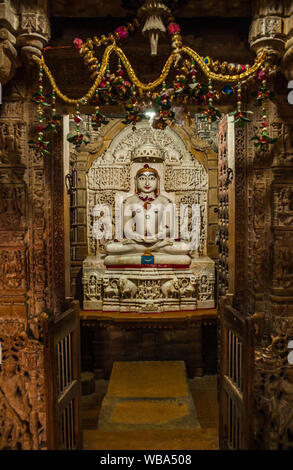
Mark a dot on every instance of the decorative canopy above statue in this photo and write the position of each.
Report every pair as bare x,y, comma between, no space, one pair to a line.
148,152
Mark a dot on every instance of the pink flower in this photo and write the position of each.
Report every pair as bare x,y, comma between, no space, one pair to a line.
261,75
173,28
77,43
122,31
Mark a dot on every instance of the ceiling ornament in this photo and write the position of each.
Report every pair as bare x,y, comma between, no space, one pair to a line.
185,79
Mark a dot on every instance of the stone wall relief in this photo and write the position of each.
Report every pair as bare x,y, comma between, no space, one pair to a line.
123,287
22,404
283,262
273,389
283,206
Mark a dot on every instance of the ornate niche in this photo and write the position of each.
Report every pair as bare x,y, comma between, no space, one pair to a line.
173,280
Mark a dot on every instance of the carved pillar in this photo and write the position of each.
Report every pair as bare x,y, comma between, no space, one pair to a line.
25,265
8,30
270,203
267,28
34,28
287,63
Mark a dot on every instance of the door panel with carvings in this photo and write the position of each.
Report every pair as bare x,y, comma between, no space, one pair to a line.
62,363
236,376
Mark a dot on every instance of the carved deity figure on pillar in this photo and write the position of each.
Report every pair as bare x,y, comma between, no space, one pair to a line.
149,227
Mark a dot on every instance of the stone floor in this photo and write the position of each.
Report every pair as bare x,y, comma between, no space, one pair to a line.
204,394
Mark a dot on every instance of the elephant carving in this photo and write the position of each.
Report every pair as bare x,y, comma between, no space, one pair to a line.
171,288
127,288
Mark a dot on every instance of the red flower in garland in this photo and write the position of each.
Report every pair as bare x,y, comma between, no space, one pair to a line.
40,146
263,141
122,32
77,138
173,28
77,43
39,98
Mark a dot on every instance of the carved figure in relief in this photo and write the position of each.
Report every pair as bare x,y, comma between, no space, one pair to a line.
259,215
148,290
171,288
127,288
111,289
12,205
187,288
11,268
10,141
205,288
285,405
148,224
285,206
15,405
93,288
284,267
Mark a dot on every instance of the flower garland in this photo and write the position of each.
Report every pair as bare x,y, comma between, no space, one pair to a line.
263,141
86,49
40,144
110,88
240,117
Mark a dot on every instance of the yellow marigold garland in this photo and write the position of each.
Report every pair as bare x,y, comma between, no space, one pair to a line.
142,87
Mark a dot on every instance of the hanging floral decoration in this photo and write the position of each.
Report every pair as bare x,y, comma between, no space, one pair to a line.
77,137
198,81
212,113
132,110
98,119
263,141
240,116
54,123
41,145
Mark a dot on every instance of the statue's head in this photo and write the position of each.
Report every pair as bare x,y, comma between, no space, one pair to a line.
147,180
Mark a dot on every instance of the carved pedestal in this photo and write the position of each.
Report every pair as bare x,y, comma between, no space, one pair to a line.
149,289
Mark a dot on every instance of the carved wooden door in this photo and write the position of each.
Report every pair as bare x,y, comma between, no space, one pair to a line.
236,376
62,359
236,349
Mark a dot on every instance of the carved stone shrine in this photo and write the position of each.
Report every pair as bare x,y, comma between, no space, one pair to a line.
147,226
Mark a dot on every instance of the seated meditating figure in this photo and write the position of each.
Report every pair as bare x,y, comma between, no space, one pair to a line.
148,228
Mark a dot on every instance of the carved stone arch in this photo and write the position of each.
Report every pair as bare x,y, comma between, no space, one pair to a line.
199,149
84,159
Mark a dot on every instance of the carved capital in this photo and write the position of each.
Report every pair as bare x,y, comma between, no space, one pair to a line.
34,32
287,62
8,56
267,29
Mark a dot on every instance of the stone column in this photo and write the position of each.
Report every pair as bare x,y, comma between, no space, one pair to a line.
287,62
267,29
270,236
9,23
25,263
